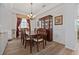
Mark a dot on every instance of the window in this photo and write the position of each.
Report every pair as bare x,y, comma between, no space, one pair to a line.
24,23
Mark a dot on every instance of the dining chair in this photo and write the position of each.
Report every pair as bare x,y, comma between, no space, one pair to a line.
22,35
26,40
40,38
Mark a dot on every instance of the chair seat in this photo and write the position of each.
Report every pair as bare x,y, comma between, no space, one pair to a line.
39,40
28,39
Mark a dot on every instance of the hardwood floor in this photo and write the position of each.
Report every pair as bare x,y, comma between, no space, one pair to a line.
15,47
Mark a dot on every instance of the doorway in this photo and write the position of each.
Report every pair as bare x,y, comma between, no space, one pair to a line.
22,23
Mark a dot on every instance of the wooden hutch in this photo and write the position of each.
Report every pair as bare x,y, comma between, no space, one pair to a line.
47,23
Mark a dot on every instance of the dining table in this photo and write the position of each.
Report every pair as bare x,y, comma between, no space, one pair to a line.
32,36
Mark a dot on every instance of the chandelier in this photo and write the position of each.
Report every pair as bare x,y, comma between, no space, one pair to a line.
31,16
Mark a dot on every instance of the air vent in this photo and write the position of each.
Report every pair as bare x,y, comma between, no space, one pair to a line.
44,6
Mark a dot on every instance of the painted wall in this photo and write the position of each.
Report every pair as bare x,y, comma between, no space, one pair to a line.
7,23
65,33
3,42
58,30
70,16
7,19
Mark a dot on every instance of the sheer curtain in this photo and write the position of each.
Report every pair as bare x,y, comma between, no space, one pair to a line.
28,29
18,23
25,25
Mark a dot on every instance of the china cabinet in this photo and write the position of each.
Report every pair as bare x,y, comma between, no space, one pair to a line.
47,23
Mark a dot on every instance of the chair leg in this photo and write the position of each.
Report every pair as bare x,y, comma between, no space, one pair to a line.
37,47
43,45
23,41
32,43
45,42
25,44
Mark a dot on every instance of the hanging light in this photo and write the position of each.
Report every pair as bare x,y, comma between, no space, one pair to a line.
31,16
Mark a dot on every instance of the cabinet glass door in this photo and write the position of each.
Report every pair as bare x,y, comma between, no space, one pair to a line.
46,24
51,23
42,24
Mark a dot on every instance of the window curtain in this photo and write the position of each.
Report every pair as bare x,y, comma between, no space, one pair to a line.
18,23
28,21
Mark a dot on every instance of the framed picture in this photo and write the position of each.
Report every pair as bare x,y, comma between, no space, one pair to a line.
59,20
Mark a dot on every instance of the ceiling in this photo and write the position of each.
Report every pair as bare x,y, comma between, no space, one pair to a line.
25,8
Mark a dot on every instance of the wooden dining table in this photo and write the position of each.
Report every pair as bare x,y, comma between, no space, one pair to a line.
32,36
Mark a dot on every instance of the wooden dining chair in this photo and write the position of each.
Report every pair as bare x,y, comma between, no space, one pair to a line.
22,35
40,38
26,40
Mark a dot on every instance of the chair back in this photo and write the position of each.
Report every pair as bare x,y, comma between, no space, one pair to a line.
41,33
23,33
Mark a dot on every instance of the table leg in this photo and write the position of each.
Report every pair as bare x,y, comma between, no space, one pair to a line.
30,45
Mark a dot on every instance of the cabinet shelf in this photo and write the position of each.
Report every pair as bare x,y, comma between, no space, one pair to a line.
47,23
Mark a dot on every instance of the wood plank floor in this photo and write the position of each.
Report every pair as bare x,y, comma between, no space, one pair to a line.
15,47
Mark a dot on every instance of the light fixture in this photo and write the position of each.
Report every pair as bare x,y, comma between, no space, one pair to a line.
31,16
